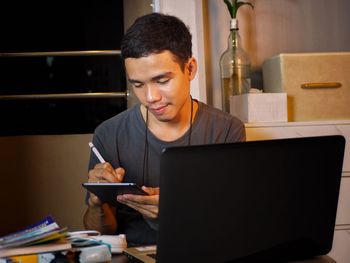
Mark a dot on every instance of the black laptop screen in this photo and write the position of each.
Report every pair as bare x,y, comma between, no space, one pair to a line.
249,201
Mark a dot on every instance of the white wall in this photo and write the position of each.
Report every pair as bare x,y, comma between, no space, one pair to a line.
132,10
191,13
273,27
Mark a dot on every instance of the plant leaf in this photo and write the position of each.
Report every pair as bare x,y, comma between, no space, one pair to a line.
239,4
233,6
230,7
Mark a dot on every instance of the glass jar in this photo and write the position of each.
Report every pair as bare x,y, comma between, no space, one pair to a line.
235,68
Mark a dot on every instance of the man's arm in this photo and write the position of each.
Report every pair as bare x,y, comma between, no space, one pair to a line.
100,217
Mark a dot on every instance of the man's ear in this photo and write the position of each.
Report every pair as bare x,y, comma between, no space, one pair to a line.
192,68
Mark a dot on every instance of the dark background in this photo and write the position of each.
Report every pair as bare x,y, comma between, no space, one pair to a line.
53,27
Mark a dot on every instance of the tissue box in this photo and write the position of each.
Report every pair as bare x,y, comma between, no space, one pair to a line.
260,107
317,84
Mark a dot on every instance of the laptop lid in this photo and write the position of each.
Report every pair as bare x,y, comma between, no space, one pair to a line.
249,202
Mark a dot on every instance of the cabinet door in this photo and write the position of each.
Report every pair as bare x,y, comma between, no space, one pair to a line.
277,132
343,211
269,133
345,131
340,251
292,131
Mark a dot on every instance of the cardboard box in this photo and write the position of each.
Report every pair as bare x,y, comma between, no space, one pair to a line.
317,84
260,107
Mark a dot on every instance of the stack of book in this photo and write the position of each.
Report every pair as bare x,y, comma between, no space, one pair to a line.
42,237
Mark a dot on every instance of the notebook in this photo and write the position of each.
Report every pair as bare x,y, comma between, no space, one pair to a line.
261,201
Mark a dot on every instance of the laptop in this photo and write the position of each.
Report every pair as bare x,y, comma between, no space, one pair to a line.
259,201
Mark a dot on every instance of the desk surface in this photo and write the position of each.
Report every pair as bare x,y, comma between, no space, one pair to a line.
320,259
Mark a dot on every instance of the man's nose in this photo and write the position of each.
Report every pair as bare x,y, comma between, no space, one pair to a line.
152,93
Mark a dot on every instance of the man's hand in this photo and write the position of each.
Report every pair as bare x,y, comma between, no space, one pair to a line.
102,173
145,204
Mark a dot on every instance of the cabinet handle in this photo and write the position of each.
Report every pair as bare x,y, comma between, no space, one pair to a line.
321,85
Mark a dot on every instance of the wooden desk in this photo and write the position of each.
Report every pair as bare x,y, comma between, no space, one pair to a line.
321,259
120,259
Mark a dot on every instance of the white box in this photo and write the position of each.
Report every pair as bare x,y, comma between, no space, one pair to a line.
260,107
317,84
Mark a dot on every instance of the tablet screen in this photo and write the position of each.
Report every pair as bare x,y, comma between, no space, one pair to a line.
108,192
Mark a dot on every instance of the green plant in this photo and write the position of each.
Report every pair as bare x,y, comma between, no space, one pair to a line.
234,5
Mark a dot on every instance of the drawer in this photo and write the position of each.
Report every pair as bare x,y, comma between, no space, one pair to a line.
341,246
345,131
343,211
269,133
291,130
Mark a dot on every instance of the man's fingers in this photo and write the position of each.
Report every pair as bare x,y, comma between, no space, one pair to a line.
120,172
94,200
150,211
151,190
103,172
139,199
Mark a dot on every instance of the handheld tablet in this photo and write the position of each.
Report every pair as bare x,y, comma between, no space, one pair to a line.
108,192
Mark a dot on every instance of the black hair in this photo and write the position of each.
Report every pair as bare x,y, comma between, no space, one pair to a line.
155,33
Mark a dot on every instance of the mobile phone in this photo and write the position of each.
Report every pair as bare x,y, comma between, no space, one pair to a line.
107,192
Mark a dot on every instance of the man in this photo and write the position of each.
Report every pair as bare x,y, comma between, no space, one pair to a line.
158,59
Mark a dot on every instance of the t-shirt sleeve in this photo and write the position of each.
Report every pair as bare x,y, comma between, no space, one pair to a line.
236,131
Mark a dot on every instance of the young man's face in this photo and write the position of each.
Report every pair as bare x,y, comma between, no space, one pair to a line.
161,85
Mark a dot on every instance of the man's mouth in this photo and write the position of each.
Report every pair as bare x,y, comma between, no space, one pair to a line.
158,110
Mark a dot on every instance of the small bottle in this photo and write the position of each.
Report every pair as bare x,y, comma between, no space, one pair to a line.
235,68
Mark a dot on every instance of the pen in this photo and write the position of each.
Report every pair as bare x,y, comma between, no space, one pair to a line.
97,153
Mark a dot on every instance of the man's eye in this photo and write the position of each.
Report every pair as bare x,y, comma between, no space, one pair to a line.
137,85
163,81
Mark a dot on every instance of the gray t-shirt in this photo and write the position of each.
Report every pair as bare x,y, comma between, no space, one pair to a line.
121,141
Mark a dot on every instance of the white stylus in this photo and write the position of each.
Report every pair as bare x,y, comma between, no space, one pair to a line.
97,153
